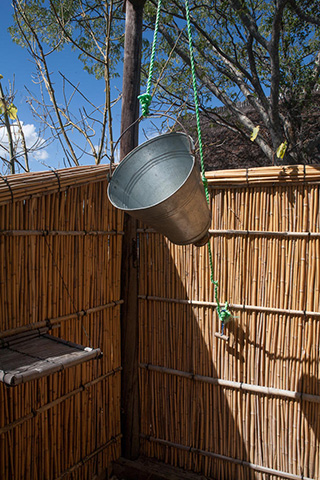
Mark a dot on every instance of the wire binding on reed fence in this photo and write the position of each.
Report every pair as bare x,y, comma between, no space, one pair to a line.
260,389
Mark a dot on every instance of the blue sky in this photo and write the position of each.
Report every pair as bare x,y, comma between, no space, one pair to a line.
16,64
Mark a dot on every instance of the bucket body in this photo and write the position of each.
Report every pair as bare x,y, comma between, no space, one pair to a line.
159,183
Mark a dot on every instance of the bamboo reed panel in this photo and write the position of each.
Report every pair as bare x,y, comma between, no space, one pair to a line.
25,185
243,463
44,233
235,306
66,424
51,322
90,456
300,396
266,248
263,175
49,405
265,234
262,233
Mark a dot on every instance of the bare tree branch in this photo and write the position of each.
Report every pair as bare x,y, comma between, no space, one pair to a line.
248,21
8,129
43,69
220,94
302,14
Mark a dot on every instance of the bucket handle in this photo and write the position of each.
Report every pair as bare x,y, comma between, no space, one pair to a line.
191,144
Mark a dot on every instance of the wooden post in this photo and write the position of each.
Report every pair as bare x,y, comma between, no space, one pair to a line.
129,275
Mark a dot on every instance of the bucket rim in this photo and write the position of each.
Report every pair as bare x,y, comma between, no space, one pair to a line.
156,138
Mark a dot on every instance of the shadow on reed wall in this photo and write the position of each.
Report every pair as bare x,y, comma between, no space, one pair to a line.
186,421
310,385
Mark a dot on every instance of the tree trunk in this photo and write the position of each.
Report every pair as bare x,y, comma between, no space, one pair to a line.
129,316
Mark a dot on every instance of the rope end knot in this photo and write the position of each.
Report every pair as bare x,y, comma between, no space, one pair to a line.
225,314
145,102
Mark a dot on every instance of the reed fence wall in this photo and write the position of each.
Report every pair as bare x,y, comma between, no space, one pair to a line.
60,250
244,409
248,408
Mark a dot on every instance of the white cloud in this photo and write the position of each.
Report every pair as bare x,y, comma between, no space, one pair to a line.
34,142
30,134
41,155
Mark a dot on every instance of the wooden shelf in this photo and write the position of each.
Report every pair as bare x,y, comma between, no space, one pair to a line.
36,354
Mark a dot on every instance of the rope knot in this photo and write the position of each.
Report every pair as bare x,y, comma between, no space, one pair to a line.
225,314
145,102
204,181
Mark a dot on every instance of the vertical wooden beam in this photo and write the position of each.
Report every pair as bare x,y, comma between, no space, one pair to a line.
131,75
129,316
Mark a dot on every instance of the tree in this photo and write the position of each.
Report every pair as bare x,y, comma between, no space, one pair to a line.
262,52
266,53
94,30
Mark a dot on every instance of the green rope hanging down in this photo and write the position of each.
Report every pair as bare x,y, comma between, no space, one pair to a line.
224,314
196,103
145,98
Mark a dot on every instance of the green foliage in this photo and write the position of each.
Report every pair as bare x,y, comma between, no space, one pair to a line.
260,51
6,105
281,150
255,133
225,32
265,52
12,111
79,23
40,16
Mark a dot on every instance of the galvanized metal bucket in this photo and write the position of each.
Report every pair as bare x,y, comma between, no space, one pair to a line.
159,183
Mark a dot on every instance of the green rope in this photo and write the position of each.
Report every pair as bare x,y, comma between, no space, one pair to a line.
224,314
145,98
196,103
145,101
